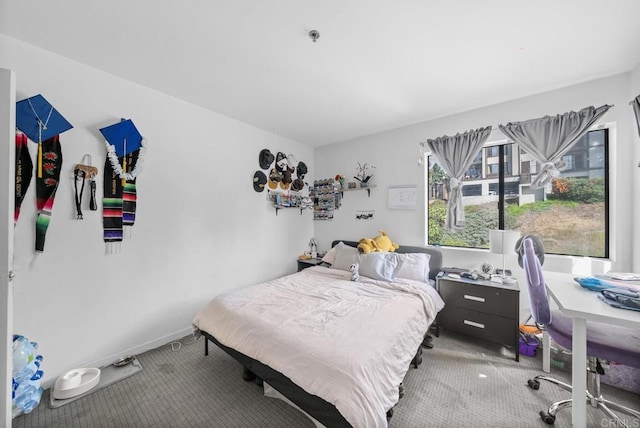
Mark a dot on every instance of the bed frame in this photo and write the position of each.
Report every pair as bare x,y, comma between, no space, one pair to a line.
320,409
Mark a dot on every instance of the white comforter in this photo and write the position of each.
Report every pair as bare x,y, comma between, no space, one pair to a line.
350,343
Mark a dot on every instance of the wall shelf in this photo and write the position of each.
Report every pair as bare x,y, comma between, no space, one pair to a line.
280,207
368,189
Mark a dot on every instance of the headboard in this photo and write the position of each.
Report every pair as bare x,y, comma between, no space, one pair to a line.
435,260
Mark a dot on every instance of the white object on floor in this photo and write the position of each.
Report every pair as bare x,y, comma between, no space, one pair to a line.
108,375
75,382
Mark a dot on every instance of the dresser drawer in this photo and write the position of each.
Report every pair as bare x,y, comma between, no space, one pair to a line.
484,326
485,299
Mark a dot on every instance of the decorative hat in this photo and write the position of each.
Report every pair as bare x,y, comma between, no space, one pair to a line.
302,169
292,162
274,178
286,177
265,158
123,136
275,175
297,184
281,162
285,186
39,119
259,180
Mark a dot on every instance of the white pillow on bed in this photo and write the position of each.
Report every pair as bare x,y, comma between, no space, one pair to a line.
414,266
345,256
380,266
330,257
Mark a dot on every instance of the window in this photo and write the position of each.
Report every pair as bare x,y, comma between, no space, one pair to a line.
570,215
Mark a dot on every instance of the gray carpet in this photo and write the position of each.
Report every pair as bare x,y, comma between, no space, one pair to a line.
461,382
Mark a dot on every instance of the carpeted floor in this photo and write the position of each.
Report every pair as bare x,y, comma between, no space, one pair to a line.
461,383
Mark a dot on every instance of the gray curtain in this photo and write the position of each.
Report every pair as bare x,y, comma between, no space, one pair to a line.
455,155
636,109
548,138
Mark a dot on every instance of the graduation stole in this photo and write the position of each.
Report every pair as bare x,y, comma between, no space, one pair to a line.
46,186
119,200
24,172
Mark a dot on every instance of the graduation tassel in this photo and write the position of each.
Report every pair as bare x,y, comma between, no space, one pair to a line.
39,149
124,164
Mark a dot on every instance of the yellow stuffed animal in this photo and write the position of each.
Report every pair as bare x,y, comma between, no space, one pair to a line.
381,243
384,243
366,245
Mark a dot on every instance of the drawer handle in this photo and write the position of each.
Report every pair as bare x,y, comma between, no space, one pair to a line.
474,298
473,324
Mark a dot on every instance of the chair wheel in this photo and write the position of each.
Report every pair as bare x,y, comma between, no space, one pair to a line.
547,418
534,384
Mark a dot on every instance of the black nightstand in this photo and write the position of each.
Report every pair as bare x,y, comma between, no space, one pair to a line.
303,264
482,309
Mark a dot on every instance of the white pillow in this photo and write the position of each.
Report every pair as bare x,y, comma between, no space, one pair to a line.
381,266
414,266
330,257
345,256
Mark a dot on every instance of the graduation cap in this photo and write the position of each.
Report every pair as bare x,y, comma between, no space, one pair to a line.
39,120
123,136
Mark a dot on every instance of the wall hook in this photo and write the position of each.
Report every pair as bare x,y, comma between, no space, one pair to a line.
314,35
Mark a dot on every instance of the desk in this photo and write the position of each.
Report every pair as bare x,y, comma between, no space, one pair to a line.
583,305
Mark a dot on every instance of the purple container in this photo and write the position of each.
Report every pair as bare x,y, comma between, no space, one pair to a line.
528,346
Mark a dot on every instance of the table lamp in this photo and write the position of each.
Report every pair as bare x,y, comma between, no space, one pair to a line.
503,242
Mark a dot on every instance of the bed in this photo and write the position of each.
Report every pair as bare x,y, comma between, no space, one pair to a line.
337,349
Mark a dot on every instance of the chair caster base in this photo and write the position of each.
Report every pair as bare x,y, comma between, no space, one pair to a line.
547,418
534,384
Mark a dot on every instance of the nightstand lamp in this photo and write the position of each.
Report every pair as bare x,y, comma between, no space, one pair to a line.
503,242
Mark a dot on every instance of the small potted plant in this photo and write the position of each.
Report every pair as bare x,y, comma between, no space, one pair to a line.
340,178
364,174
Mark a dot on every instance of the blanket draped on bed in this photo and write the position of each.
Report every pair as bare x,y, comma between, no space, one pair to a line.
350,343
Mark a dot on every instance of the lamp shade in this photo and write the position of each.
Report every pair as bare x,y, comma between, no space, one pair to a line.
503,241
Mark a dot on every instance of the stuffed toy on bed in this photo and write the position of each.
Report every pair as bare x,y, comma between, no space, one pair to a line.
380,243
355,271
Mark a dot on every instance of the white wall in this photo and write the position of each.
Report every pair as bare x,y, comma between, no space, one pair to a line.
395,155
200,228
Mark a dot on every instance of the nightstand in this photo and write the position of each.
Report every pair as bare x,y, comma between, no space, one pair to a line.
482,309
303,264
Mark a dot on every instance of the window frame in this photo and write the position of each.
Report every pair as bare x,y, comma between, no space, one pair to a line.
610,157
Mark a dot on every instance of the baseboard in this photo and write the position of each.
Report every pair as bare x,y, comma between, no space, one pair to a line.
48,381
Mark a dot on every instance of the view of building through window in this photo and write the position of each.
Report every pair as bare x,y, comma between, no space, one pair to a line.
570,214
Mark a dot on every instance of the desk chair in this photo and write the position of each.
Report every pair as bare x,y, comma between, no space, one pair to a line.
604,342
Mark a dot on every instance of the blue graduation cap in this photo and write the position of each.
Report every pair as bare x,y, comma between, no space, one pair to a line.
39,120
123,136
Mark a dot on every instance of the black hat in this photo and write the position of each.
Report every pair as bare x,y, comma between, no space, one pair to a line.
297,184
259,180
265,158
286,177
302,169
281,162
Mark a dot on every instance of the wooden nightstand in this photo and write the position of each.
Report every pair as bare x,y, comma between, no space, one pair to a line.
482,309
303,264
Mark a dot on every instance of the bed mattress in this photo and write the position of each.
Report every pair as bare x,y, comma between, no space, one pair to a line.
350,343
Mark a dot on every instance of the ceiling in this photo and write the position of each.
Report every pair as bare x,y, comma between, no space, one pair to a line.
378,64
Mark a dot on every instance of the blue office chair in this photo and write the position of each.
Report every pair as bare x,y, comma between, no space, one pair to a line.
604,342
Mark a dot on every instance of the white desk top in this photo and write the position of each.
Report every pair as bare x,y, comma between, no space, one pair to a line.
578,302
